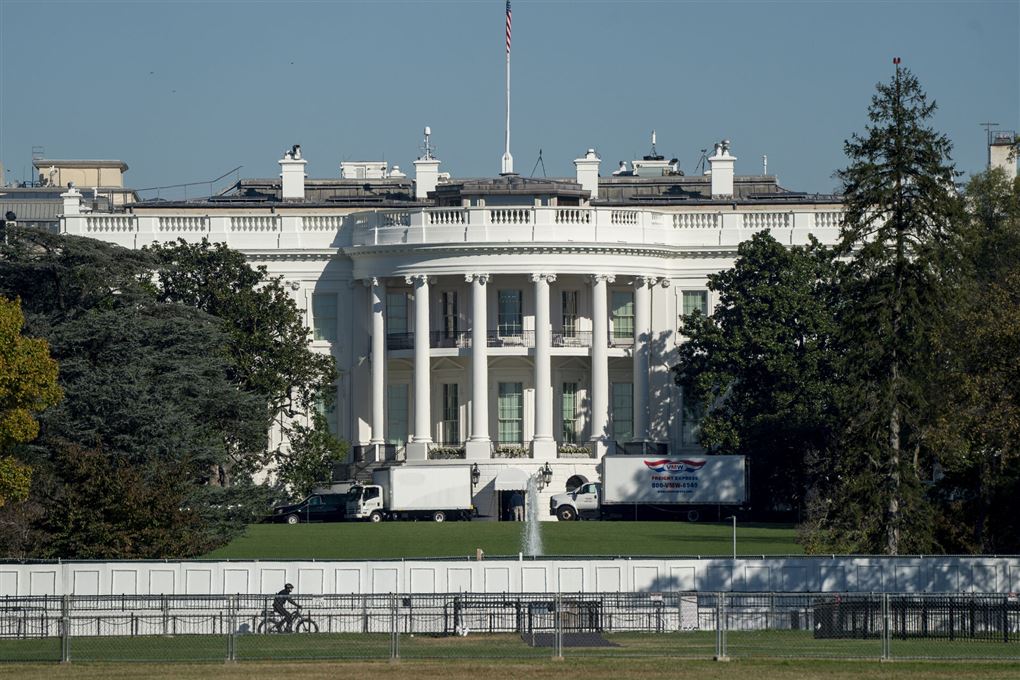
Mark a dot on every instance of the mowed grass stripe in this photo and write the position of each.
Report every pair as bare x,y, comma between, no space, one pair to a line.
391,540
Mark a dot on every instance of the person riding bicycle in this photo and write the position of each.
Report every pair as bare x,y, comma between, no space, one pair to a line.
282,598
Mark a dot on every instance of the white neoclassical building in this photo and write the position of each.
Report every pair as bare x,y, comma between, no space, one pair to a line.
506,322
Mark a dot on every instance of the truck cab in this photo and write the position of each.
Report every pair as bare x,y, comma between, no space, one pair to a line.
582,501
365,501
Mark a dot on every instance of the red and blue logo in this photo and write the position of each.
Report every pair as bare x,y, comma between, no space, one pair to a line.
681,465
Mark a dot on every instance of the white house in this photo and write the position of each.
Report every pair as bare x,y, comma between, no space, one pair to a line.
509,322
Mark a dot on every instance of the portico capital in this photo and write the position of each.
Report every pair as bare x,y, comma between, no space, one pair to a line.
418,279
548,278
480,278
600,278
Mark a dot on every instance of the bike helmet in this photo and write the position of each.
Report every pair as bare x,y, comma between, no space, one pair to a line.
288,586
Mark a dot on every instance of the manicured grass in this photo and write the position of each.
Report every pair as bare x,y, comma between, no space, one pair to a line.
531,669
358,540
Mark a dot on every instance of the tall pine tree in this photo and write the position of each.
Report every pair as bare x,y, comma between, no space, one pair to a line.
900,204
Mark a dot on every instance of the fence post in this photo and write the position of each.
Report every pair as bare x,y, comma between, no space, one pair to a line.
885,627
65,629
720,628
558,643
394,632
231,628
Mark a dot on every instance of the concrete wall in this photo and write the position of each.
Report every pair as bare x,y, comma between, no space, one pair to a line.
781,574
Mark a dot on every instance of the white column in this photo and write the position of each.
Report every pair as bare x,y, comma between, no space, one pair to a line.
478,445
417,448
378,363
544,446
600,362
642,335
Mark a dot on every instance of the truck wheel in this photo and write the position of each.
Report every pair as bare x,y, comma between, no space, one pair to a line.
439,516
376,517
293,519
566,513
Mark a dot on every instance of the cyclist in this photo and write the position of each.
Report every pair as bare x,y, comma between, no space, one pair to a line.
282,598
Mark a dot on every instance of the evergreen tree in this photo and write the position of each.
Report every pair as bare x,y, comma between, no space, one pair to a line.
900,206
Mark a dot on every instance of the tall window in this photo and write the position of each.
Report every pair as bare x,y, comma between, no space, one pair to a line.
623,314
450,318
695,300
396,312
692,416
569,298
324,316
511,413
450,426
570,412
510,319
623,412
396,414
329,412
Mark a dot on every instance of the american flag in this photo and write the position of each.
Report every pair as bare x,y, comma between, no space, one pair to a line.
508,18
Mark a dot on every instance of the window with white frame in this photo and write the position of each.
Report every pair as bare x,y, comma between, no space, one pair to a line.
329,412
396,414
324,317
510,410
396,312
510,316
692,416
450,426
569,300
570,410
451,320
694,300
623,314
623,411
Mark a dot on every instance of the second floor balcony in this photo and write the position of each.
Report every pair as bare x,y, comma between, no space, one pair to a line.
498,338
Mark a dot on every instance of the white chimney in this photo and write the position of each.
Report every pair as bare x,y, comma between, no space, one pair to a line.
292,170
588,172
72,200
722,169
1002,152
426,170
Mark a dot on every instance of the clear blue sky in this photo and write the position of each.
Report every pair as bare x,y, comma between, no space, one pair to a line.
184,91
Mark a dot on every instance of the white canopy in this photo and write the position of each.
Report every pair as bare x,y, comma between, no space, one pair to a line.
511,479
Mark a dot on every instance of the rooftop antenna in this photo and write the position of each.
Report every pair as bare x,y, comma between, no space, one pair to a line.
700,166
653,143
988,140
537,163
508,160
765,164
428,144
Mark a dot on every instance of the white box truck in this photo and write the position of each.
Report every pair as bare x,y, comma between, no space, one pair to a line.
434,492
630,483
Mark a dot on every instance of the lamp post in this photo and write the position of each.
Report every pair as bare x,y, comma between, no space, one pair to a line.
734,518
544,478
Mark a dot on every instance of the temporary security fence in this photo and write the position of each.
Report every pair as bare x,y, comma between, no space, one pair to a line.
486,625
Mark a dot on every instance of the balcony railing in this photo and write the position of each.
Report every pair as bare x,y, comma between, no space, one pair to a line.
446,452
510,338
450,339
571,339
511,450
575,450
399,341
622,340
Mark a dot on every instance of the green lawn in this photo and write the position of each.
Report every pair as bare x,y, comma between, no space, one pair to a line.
357,540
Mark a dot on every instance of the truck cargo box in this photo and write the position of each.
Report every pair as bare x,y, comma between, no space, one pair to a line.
420,488
674,480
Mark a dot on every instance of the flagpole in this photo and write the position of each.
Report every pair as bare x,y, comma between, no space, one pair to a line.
508,160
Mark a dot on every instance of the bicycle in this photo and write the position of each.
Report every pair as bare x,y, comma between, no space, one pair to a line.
272,623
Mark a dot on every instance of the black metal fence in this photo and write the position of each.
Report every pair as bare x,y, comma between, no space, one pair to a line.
504,625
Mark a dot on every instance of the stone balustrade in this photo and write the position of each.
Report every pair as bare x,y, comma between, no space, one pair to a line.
547,225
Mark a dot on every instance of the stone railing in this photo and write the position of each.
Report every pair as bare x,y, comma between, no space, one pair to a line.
446,216
183,223
255,223
828,220
696,221
109,224
769,220
624,217
510,216
321,222
573,216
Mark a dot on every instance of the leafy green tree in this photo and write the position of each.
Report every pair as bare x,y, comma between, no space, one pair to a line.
310,457
762,366
28,385
900,208
979,406
267,336
150,390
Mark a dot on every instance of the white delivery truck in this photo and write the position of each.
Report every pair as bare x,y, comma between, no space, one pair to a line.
434,492
632,483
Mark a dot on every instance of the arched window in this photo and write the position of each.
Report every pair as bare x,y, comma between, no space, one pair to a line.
575,482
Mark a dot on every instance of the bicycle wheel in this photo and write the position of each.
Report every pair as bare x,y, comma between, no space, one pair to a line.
306,626
268,626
